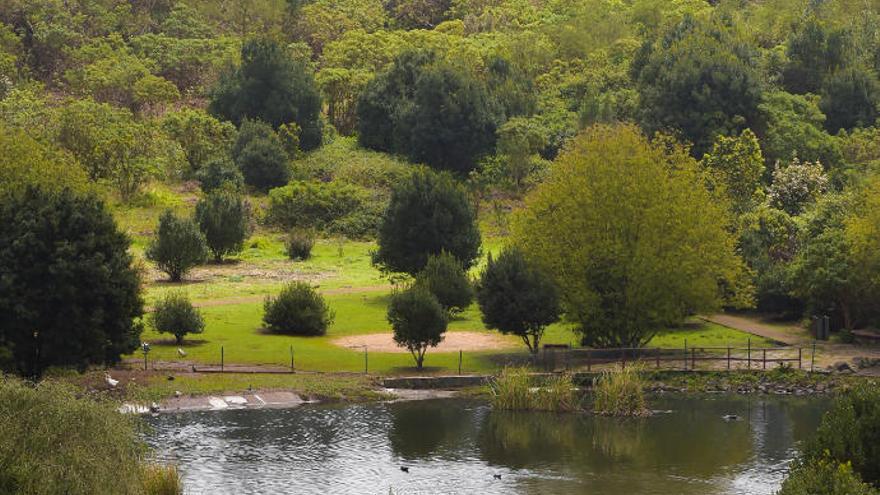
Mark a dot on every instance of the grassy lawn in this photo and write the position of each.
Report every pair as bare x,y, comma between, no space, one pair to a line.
237,328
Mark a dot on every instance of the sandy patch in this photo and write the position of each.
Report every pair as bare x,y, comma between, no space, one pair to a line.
453,342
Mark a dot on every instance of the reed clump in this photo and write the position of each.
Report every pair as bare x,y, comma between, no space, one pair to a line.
162,479
620,393
514,390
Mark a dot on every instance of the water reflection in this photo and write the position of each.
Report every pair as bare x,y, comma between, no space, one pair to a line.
458,447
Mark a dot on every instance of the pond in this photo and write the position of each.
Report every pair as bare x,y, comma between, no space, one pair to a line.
463,447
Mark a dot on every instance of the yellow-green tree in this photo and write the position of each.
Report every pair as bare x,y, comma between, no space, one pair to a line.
632,236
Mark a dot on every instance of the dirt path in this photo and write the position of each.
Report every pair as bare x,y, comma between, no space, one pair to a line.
790,335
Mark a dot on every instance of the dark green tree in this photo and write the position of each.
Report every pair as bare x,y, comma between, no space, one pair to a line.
220,171
445,277
701,79
179,245
297,310
850,98
814,52
418,320
429,111
68,293
175,314
260,156
224,218
428,213
517,298
273,86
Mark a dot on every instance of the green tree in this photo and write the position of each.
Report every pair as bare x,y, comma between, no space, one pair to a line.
445,277
24,162
428,213
631,236
517,298
519,142
850,98
814,52
219,172
50,244
297,310
179,245
224,218
418,320
701,79
175,314
429,111
827,477
260,156
849,433
736,165
793,125
272,86
202,137
768,242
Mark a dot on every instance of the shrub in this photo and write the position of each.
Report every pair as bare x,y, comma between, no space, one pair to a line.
260,155
297,310
825,477
67,274
850,432
53,441
218,172
330,206
513,391
428,213
620,393
174,314
224,217
299,245
444,277
178,246
418,320
517,298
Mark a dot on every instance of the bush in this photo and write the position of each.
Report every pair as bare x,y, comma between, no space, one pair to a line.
331,206
428,213
825,477
218,172
67,274
52,441
418,320
620,393
513,391
174,314
444,277
178,246
850,432
259,154
297,310
517,298
299,245
224,217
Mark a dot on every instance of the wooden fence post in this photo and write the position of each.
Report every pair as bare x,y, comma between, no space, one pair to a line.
728,357
693,358
685,354
800,357
658,357
459,361
813,357
222,358
292,367
765,359
749,358
589,359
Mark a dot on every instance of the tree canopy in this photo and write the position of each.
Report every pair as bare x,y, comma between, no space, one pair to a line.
631,235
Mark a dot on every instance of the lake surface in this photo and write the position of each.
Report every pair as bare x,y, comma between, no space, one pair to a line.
457,446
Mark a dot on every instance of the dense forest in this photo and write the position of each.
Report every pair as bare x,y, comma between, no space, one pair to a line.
317,109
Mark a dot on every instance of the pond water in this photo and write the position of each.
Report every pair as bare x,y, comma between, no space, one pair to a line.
458,446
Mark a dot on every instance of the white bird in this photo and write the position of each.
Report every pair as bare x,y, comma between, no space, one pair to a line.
110,381
180,352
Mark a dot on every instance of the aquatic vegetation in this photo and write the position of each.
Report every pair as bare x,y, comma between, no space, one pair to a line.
162,479
620,393
513,390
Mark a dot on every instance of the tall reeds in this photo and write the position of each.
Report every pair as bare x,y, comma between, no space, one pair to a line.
620,393
162,479
513,390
